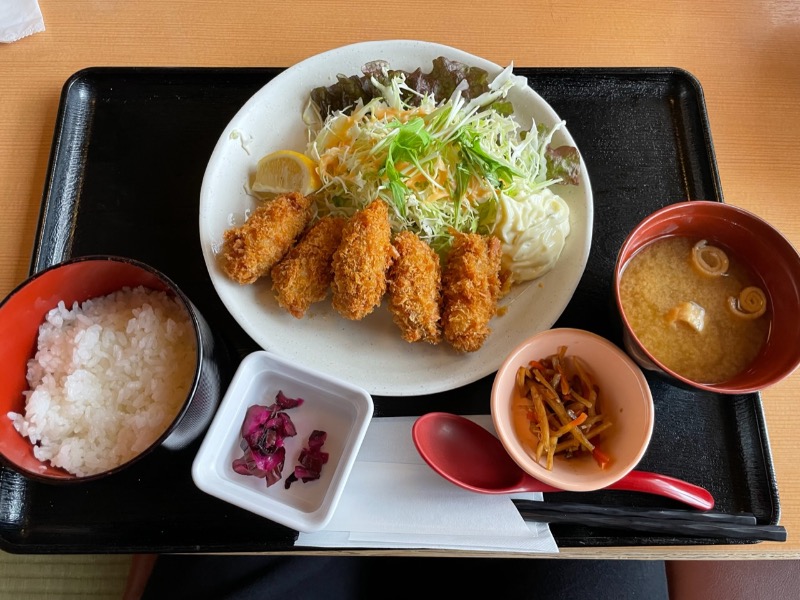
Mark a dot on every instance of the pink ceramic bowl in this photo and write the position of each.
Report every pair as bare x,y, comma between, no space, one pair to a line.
79,279
771,258
624,398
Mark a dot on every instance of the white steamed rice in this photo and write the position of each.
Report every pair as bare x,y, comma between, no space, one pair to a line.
108,378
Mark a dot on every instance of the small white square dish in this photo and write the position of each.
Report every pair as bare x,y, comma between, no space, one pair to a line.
343,411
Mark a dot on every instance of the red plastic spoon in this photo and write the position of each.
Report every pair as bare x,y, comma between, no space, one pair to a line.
471,457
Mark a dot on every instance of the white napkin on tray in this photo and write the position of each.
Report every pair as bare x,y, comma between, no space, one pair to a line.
19,19
394,500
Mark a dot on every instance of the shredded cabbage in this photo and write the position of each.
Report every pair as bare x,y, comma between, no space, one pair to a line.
443,165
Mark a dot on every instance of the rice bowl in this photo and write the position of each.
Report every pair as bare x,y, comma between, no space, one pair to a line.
108,378
104,361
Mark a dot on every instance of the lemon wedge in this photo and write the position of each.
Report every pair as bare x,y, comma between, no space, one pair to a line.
285,171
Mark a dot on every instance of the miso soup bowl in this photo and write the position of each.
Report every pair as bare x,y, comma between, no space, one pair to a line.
751,241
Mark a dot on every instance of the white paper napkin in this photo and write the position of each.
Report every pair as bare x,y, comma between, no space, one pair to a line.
394,500
19,19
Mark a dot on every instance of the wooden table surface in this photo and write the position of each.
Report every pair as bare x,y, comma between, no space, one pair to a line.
744,53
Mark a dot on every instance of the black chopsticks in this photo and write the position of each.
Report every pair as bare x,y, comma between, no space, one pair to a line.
675,522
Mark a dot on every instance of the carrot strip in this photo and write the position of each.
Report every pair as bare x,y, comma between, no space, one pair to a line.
602,459
571,425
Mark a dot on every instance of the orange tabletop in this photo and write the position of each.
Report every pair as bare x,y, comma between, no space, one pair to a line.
742,52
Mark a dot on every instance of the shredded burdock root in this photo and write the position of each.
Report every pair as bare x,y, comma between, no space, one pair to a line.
751,303
709,260
555,409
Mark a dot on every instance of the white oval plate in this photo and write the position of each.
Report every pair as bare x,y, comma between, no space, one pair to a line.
370,353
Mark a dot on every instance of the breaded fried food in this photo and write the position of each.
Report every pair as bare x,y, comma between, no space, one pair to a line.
304,275
361,261
415,289
250,251
470,290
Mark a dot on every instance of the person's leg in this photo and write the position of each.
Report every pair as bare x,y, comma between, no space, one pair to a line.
534,578
310,577
262,577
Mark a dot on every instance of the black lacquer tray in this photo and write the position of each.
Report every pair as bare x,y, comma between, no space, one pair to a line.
128,156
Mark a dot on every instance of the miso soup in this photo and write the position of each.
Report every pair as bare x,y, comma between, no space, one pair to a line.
691,320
